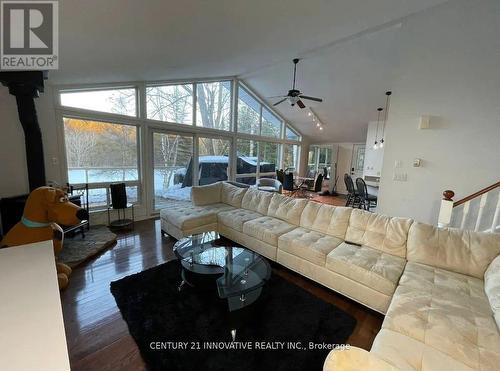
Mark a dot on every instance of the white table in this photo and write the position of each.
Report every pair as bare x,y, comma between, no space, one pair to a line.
32,333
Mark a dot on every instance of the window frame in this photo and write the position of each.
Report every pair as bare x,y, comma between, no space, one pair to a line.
297,159
98,88
194,159
145,126
105,185
193,103
288,127
207,136
231,106
257,173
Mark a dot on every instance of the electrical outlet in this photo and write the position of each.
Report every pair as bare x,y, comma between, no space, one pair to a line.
400,177
55,161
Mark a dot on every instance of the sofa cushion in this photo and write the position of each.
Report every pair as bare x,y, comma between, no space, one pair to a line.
267,229
256,200
408,354
457,250
370,267
309,245
492,287
187,216
448,312
380,232
455,285
286,208
236,218
232,195
328,219
355,359
207,194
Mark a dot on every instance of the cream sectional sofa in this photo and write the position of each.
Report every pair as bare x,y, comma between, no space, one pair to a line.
439,288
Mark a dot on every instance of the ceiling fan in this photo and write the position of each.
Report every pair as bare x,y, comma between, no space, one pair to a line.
294,96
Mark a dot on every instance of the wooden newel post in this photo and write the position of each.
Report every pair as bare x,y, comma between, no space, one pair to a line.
446,209
448,195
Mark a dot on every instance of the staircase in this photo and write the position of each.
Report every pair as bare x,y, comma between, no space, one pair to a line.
478,212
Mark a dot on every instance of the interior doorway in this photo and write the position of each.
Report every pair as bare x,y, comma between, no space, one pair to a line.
350,161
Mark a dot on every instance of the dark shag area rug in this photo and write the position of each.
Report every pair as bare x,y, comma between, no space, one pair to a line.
158,316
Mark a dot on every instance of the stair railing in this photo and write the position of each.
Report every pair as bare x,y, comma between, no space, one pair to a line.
479,211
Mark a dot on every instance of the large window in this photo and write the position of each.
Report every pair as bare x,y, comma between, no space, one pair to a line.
248,113
290,157
268,158
172,167
291,134
213,105
271,125
171,103
320,158
254,118
105,131
120,101
246,161
99,153
213,160
255,160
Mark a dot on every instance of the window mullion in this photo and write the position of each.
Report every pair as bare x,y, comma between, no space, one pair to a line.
195,101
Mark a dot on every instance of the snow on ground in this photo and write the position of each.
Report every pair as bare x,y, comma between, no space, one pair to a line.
175,192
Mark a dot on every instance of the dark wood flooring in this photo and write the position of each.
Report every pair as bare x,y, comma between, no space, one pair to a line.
97,336
339,200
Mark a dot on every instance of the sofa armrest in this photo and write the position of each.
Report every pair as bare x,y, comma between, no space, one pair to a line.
207,194
355,359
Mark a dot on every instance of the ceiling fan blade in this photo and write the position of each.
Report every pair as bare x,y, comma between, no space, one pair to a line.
280,101
301,104
311,98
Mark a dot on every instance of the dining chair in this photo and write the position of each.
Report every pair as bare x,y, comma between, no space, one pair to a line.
311,187
366,199
352,194
280,175
289,184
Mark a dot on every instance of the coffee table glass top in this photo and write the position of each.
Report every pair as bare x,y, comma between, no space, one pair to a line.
243,272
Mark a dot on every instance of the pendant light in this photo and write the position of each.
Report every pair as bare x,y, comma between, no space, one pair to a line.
387,99
375,145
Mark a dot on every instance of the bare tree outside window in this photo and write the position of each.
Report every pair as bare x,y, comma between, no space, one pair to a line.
213,109
171,103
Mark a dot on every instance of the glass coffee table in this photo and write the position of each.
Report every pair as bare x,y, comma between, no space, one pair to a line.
239,273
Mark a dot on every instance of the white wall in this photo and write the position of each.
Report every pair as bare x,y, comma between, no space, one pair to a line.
450,69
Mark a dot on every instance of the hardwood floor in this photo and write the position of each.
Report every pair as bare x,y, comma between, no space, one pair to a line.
339,200
97,336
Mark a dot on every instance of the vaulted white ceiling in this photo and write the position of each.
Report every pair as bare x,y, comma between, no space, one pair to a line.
349,49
